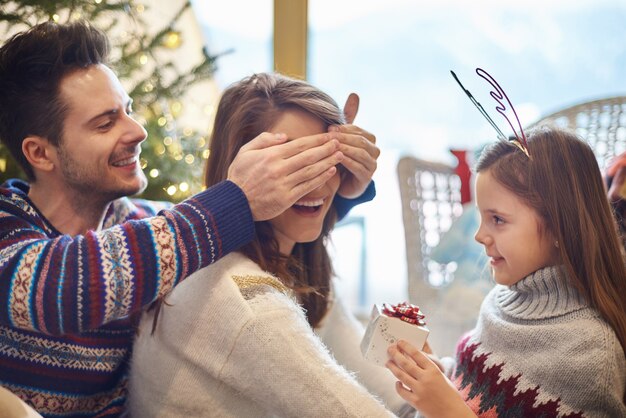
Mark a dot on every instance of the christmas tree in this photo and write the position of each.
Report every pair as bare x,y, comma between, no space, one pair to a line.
174,153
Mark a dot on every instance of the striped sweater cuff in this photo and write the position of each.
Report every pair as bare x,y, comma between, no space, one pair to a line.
231,212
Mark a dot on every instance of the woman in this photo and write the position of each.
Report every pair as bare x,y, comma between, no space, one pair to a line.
256,342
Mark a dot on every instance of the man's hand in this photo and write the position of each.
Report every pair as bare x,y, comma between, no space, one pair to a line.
360,151
274,174
617,170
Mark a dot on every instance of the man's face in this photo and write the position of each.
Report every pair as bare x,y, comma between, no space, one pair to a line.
98,155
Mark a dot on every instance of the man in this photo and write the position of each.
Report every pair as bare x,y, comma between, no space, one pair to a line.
77,258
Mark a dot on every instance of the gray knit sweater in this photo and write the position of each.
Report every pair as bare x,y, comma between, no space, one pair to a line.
539,350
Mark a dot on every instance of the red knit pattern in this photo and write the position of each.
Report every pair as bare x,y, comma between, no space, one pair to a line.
488,396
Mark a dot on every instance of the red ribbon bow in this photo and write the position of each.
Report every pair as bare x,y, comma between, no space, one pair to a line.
406,312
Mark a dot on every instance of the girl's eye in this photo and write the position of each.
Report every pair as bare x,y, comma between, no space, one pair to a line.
497,220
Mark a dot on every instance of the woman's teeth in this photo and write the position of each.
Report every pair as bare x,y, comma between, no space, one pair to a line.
310,203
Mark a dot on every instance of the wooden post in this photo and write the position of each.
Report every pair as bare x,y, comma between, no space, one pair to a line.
290,37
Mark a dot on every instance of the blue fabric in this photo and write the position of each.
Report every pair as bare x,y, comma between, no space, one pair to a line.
458,245
343,205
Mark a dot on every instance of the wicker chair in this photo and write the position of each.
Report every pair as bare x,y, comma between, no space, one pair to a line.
431,200
602,123
430,194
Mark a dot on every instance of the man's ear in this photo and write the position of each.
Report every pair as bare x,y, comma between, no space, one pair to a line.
39,153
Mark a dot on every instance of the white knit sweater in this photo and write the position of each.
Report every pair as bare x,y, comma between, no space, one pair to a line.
234,343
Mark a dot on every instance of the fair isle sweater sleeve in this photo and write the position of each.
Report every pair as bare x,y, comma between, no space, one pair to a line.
57,284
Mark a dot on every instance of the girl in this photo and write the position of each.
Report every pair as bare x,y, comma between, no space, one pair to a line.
551,335
256,341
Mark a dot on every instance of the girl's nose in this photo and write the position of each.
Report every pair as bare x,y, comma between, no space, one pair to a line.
480,236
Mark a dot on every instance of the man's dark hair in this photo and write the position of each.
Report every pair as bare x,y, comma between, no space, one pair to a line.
32,66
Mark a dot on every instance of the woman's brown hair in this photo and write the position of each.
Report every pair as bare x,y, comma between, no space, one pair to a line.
247,109
563,183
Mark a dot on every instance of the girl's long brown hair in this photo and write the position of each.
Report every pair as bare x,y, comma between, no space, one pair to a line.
563,183
248,108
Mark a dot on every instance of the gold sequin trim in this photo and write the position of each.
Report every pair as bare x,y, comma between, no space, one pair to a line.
245,282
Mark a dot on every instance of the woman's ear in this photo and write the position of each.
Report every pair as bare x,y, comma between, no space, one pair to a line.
39,153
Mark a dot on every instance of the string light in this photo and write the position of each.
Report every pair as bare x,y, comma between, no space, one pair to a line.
171,190
167,141
183,187
55,17
172,39
140,8
162,121
189,159
3,165
176,107
206,153
208,110
143,59
154,173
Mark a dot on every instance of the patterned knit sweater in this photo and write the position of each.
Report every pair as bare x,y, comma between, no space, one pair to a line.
538,350
232,342
65,329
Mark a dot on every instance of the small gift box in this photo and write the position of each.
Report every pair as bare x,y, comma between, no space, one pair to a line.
390,324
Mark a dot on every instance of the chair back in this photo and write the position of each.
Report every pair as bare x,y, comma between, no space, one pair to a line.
431,201
602,123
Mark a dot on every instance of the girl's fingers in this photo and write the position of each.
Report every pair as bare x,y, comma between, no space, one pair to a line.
420,359
403,362
400,374
404,393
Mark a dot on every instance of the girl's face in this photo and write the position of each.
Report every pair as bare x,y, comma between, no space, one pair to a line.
304,220
511,232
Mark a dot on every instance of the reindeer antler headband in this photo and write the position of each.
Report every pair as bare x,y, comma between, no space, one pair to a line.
502,99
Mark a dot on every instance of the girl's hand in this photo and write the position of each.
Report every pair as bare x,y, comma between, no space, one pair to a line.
423,385
435,359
